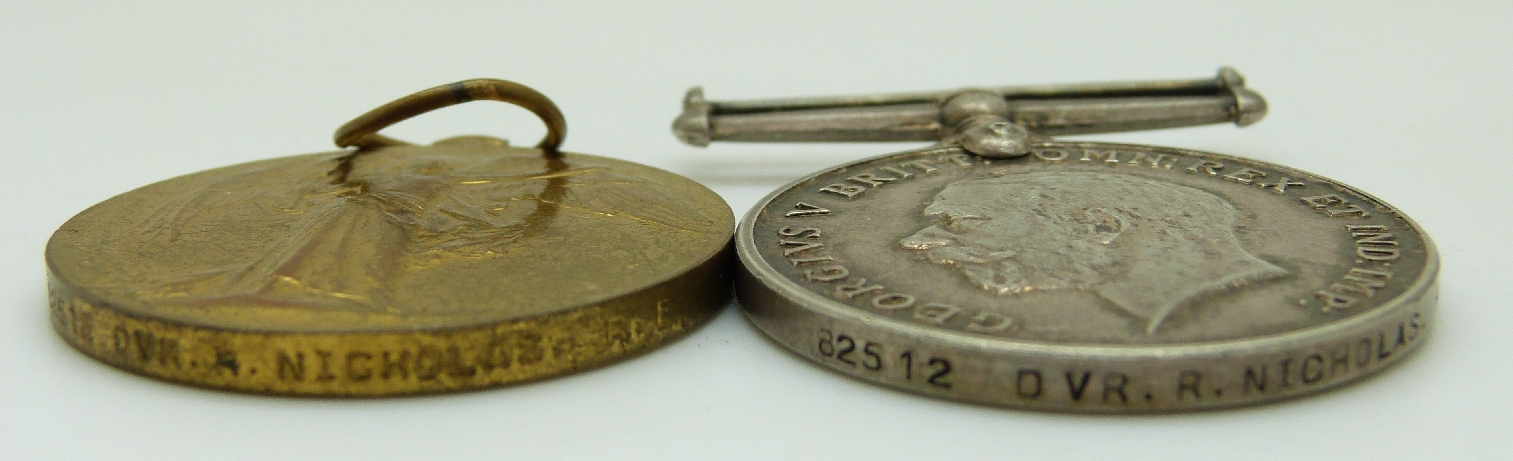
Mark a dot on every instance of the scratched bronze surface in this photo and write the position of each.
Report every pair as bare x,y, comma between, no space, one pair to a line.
399,269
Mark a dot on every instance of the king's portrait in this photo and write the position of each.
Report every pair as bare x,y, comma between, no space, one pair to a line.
1146,247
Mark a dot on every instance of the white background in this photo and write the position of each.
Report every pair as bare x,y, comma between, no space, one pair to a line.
1409,102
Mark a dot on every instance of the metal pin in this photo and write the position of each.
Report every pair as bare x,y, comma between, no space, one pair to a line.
949,116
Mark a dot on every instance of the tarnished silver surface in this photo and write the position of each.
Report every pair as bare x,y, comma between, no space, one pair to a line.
1087,277
1090,277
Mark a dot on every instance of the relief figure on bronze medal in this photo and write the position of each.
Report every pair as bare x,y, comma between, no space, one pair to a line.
355,223
1146,247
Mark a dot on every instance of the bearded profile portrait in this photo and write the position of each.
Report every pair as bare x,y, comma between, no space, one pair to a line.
1146,247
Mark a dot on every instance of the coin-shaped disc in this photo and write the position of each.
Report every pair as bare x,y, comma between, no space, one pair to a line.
1087,277
405,269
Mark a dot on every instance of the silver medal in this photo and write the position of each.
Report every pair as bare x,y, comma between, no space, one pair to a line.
1003,267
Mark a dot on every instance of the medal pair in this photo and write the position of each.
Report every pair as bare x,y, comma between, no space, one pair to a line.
998,266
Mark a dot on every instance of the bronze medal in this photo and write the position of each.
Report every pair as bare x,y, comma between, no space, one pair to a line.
390,268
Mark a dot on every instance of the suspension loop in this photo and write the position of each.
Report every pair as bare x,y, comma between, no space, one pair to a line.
362,132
